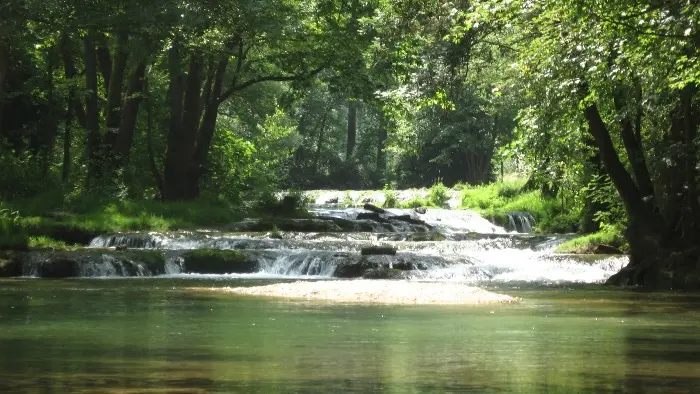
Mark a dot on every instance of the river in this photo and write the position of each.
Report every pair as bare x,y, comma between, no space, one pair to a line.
110,333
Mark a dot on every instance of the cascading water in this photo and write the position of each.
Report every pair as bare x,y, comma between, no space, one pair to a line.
520,221
438,244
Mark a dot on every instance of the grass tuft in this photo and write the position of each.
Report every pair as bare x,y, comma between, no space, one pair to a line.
44,242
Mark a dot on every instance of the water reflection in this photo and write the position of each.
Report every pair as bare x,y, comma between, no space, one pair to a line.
152,335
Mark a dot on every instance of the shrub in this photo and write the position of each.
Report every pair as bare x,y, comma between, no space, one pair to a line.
12,235
438,195
390,199
415,202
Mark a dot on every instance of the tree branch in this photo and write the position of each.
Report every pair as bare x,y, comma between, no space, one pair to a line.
269,78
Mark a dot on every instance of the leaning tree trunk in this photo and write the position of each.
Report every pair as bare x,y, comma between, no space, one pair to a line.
662,253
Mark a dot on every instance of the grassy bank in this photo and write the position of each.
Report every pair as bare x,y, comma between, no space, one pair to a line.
609,236
24,225
57,223
495,200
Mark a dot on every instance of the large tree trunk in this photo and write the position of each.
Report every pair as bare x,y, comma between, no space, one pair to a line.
149,142
115,88
662,250
352,130
129,115
49,121
4,69
116,82
183,136
42,140
70,72
319,146
92,116
208,124
632,141
381,152
104,59
630,194
65,172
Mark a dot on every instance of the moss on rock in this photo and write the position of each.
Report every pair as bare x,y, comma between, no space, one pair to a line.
153,260
355,268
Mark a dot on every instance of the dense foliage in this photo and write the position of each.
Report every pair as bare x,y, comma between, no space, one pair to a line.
595,102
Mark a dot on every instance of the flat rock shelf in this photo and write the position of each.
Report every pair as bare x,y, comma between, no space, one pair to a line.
377,292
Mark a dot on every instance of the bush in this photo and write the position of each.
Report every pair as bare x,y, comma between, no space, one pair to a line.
390,199
438,195
292,205
12,235
348,202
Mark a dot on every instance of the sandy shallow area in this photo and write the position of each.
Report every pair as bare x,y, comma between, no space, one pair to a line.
378,292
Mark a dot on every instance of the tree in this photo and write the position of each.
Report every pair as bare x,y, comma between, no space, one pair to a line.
628,72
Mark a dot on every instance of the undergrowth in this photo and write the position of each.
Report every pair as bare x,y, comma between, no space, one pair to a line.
608,235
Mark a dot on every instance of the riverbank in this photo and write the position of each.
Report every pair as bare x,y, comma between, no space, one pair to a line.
37,223
377,292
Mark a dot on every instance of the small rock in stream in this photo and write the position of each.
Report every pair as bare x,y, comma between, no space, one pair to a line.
378,250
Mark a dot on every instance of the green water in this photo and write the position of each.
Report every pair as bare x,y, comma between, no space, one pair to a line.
162,336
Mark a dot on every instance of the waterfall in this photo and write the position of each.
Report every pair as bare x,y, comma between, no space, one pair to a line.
437,244
321,264
520,221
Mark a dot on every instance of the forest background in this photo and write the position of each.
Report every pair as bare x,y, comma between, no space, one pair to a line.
171,114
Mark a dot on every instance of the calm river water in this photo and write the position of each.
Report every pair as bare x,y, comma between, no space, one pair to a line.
159,335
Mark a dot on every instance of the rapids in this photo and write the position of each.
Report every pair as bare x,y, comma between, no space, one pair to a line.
468,249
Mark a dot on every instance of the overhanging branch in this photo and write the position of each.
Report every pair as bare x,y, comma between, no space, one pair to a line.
269,78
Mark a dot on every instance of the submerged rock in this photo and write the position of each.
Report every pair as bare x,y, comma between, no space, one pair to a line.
384,273
82,263
369,266
375,209
285,224
214,261
378,250
69,234
355,268
10,264
420,210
